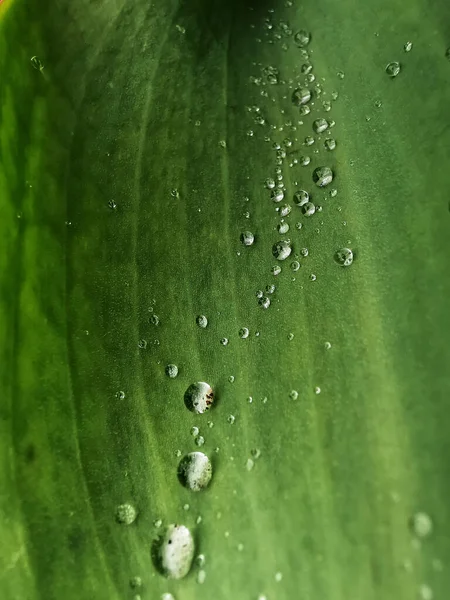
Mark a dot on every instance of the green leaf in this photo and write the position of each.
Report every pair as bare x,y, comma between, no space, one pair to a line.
127,175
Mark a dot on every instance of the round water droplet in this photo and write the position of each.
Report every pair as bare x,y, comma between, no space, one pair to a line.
136,582
270,183
317,390
243,333
120,395
313,277
142,344
199,397
195,471
330,144
231,419
112,205
270,288
176,552
304,161
202,321
277,195
276,270
295,265
344,257
304,252
308,209
293,394
195,431
231,378
341,74
200,560
327,345
154,320
421,524
393,69
171,371
304,110
301,96
278,577
425,592
320,125
264,302
285,210
301,197
309,140
126,514
282,249
408,47
224,341
283,228
322,176
247,238
302,38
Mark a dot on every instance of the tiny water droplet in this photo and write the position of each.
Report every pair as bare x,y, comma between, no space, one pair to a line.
231,378
344,257
290,337
171,371
249,464
285,210
247,238
304,161
313,277
158,522
393,69
278,576
421,524
308,209
224,341
222,143
317,390
277,195
201,321
341,74
327,345
276,270
195,431
293,394
408,47
112,205
154,320
142,344
199,397
333,193
309,140
195,471
283,228
243,333
126,514
120,395
295,265
231,419
301,197
270,288
199,440
136,582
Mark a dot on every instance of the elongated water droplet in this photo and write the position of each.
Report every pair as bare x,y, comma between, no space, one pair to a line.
37,63
202,321
195,471
176,552
243,333
408,47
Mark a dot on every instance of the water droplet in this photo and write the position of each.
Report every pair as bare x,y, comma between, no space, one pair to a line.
243,333
37,64
201,576
195,431
293,394
120,395
154,320
264,302
199,397
393,69
278,576
298,225
313,277
425,592
231,378
195,471
283,228
301,96
335,95
158,522
408,47
344,257
270,288
270,183
176,552
330,144
276,270
167,596
142,344
327,345
126,514
202,321
309,140
136,582
282,249
310,78
317,390
322,176
224,341
199,440
223,143
295,265
301,197
304,161
171,371
305,110
320,125
302,38
247,238
231,419
308,209
341,74
277,195
249,464
112,205
421,524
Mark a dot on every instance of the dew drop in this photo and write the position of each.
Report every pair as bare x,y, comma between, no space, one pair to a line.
231,378
421,524
408,47
243,333
293,394
142,344
276,270
249,464
313,277
199,440
295,265
302,38
264,302
269,183
393,69
322,176
301,96
309,140
330,144
247,238
224,341
327,345
120,395
136,582
282,249
320,125
201,576
304,161
277,195
126,514
199,397
301,197
283,228
176,552
285,210
112,205
195,471
344,257
270,288
231,419
171,371
201,321
158,522
154,320
317,390
308,209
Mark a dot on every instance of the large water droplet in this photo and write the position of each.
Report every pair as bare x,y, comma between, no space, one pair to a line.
322,176
202,321
344,257
393,69
199,397
176,552
195,471
126,514
282,249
